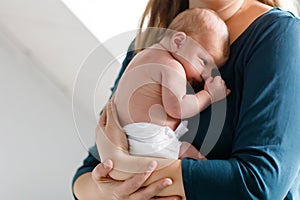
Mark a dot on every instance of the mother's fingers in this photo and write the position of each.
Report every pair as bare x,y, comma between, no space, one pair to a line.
133,184
109,116
103,118
152,190
112,115
101,171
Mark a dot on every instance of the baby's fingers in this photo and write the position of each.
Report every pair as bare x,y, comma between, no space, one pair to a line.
209,80
218,80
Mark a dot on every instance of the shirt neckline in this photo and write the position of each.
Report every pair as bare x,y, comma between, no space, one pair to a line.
253,24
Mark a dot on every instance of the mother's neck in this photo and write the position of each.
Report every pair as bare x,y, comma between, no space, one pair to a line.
225,8
228,11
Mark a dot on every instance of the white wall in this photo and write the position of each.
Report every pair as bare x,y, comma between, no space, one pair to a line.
107,18
39,148
42,47
48,33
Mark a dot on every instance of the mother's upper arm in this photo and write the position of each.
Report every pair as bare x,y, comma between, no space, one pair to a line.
268,127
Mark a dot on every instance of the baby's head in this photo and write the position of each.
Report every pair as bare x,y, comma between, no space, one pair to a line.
198,26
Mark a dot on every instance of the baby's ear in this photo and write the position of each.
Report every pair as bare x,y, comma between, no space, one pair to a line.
177,40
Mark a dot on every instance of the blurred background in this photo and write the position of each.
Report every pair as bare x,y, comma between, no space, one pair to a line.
42,47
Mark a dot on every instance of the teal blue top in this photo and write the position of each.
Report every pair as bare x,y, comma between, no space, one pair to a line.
257,155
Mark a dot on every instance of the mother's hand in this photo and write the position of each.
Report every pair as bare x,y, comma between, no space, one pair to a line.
131,188
110,127
111,137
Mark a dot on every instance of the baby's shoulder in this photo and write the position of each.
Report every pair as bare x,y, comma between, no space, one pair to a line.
157,60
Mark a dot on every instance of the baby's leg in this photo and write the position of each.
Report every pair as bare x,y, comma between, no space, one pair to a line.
187,150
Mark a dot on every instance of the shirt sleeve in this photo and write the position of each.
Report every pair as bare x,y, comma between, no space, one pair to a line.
264,161
90,162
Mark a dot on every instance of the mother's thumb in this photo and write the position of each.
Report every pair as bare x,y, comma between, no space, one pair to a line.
101,171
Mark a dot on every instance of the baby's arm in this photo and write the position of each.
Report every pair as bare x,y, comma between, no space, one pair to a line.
180,105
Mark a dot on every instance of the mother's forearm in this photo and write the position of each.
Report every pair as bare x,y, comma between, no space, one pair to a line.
85,188
126,166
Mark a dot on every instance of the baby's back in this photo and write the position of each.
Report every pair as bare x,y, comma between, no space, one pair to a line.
139,94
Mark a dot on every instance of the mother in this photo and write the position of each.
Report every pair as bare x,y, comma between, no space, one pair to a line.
257,155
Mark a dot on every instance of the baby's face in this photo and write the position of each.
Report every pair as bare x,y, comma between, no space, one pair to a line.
196,61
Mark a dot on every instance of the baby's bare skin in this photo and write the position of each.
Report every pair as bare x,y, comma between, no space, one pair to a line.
153,88
141,89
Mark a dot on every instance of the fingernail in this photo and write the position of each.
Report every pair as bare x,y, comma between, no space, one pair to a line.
108,164
167,182
152,165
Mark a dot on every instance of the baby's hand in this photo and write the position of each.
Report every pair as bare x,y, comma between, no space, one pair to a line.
189,151
216,87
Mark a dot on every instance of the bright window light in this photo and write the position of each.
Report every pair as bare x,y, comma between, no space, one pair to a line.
106,19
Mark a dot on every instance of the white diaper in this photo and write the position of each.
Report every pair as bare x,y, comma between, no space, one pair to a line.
147,139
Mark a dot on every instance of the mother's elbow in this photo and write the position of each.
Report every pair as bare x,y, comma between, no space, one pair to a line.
260,178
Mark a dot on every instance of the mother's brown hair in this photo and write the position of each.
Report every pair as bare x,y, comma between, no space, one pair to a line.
160,14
